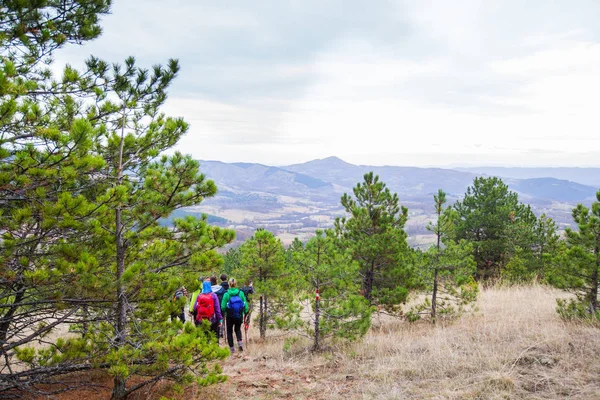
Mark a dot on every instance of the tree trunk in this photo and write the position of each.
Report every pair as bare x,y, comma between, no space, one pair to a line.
317,344
85,326
436,273
369,280
594,290
119,389
261,319
434,294
266,320
8,316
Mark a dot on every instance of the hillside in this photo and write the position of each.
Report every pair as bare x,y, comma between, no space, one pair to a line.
261,178
554,189
499,352
410,181
585,176
296,199
514,347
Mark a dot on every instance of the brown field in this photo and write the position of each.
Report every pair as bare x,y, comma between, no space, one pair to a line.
513,347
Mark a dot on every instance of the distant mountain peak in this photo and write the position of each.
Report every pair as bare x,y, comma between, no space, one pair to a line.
332,159
330,162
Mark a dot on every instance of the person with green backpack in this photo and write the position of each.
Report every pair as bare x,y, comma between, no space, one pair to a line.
234,305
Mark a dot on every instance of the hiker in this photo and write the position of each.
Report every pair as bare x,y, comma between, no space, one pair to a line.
248,290
179,293
224,287
220,293
235,306
215,287
195,297
207,308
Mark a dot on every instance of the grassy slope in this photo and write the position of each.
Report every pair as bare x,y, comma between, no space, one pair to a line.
513,347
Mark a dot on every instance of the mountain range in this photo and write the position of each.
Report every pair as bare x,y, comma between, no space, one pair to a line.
296,199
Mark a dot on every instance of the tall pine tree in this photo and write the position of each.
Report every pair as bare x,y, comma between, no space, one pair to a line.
374,233
139,253
83,188
48,167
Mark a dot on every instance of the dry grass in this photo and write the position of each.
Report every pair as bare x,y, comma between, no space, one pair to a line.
514,346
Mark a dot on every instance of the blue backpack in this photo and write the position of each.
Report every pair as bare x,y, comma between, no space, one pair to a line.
235,305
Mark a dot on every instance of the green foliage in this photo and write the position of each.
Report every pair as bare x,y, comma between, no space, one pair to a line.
577,264
575,309
332,305
84,185
374,234
518,269
447,269
529,249
47,168
263,264
232,261
489,217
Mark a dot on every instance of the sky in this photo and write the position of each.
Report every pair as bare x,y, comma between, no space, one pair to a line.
415,83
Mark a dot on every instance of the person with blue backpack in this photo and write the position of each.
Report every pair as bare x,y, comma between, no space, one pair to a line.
235,305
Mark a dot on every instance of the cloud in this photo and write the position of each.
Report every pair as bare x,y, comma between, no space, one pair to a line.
426,82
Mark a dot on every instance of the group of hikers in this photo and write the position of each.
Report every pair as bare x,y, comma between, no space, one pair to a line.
216,303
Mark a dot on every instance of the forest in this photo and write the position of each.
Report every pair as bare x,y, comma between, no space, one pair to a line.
87,175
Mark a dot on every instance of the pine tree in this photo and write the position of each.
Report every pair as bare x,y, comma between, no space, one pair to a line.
578,265
374,233
263,264
530,246
48,168
141,190
484,217
448,267
545,244
333,296
232,261
84,187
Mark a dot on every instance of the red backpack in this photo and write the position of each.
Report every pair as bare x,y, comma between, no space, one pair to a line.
205,307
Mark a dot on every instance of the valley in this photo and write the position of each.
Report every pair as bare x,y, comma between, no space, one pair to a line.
294,200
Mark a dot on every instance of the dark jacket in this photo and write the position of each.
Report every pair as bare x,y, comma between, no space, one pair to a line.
221,292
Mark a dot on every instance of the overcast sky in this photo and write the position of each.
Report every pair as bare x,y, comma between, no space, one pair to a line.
373,82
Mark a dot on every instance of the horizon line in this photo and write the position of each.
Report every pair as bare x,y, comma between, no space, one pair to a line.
440,166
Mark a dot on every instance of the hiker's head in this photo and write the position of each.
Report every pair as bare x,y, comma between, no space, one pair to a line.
213,280
223,278
206,287
183,290
232,283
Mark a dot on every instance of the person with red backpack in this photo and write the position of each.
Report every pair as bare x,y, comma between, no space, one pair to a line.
207,308
235,305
